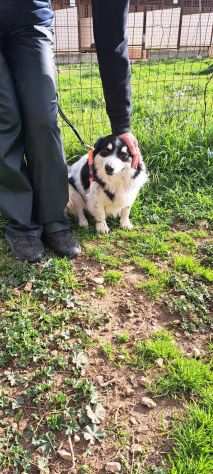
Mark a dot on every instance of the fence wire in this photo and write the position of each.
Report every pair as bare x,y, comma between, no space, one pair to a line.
170,49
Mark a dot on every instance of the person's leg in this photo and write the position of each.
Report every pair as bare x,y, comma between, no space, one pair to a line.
30,58
15,188
16,197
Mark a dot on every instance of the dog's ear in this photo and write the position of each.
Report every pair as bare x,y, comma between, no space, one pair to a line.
99,145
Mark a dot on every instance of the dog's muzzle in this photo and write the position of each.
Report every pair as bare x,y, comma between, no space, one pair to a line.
109,170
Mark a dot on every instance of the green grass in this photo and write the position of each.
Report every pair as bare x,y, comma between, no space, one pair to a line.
193,441
193,267
112,277
101,256
191,435
185,376
146,265
183,238
155,287
122,338
182,375
161,345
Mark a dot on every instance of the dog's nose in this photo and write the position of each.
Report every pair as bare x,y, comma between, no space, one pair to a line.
109,169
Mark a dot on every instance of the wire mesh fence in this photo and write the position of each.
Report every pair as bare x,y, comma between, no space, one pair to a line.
170,48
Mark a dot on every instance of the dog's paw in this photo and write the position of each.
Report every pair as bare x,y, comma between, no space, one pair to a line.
126,225
102,228
83,223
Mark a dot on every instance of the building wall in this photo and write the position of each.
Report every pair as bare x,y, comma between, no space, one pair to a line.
196,30
86,33
66,30
162,29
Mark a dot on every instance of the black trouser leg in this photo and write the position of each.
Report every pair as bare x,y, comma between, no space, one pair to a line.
16,197
29,56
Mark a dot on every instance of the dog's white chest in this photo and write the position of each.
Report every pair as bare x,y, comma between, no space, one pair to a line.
115,197
118,202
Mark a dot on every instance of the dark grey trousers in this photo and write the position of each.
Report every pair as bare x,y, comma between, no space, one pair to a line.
33,175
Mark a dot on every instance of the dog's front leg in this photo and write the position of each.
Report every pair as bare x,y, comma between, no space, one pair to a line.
125,222
98,212
102,227
100,220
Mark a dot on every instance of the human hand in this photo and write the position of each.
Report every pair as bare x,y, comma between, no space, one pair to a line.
132,143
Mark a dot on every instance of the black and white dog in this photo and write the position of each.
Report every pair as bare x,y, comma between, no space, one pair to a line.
113,189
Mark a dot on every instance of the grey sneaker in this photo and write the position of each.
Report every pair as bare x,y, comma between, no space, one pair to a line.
25,247
62,244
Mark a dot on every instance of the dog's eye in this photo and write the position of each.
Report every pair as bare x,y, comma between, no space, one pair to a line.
124,156
106,152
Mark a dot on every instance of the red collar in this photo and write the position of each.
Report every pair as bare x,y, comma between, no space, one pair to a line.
90,160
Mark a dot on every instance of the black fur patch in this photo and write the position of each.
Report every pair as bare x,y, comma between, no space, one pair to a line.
101,183
137,171
85,176
72,182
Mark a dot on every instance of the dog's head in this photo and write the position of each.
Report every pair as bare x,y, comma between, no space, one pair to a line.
111,155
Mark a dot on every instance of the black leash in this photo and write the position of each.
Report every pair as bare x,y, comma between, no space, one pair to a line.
73,128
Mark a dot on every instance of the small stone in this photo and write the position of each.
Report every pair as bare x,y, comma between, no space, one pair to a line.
160,362
129,391
141,429
113,467
22,425
100,380
133,381
133,420
189,354
148,402
203,223
54,353
176,322
14,426
196,352
98,280
77,438
16,291
70,304
144,381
